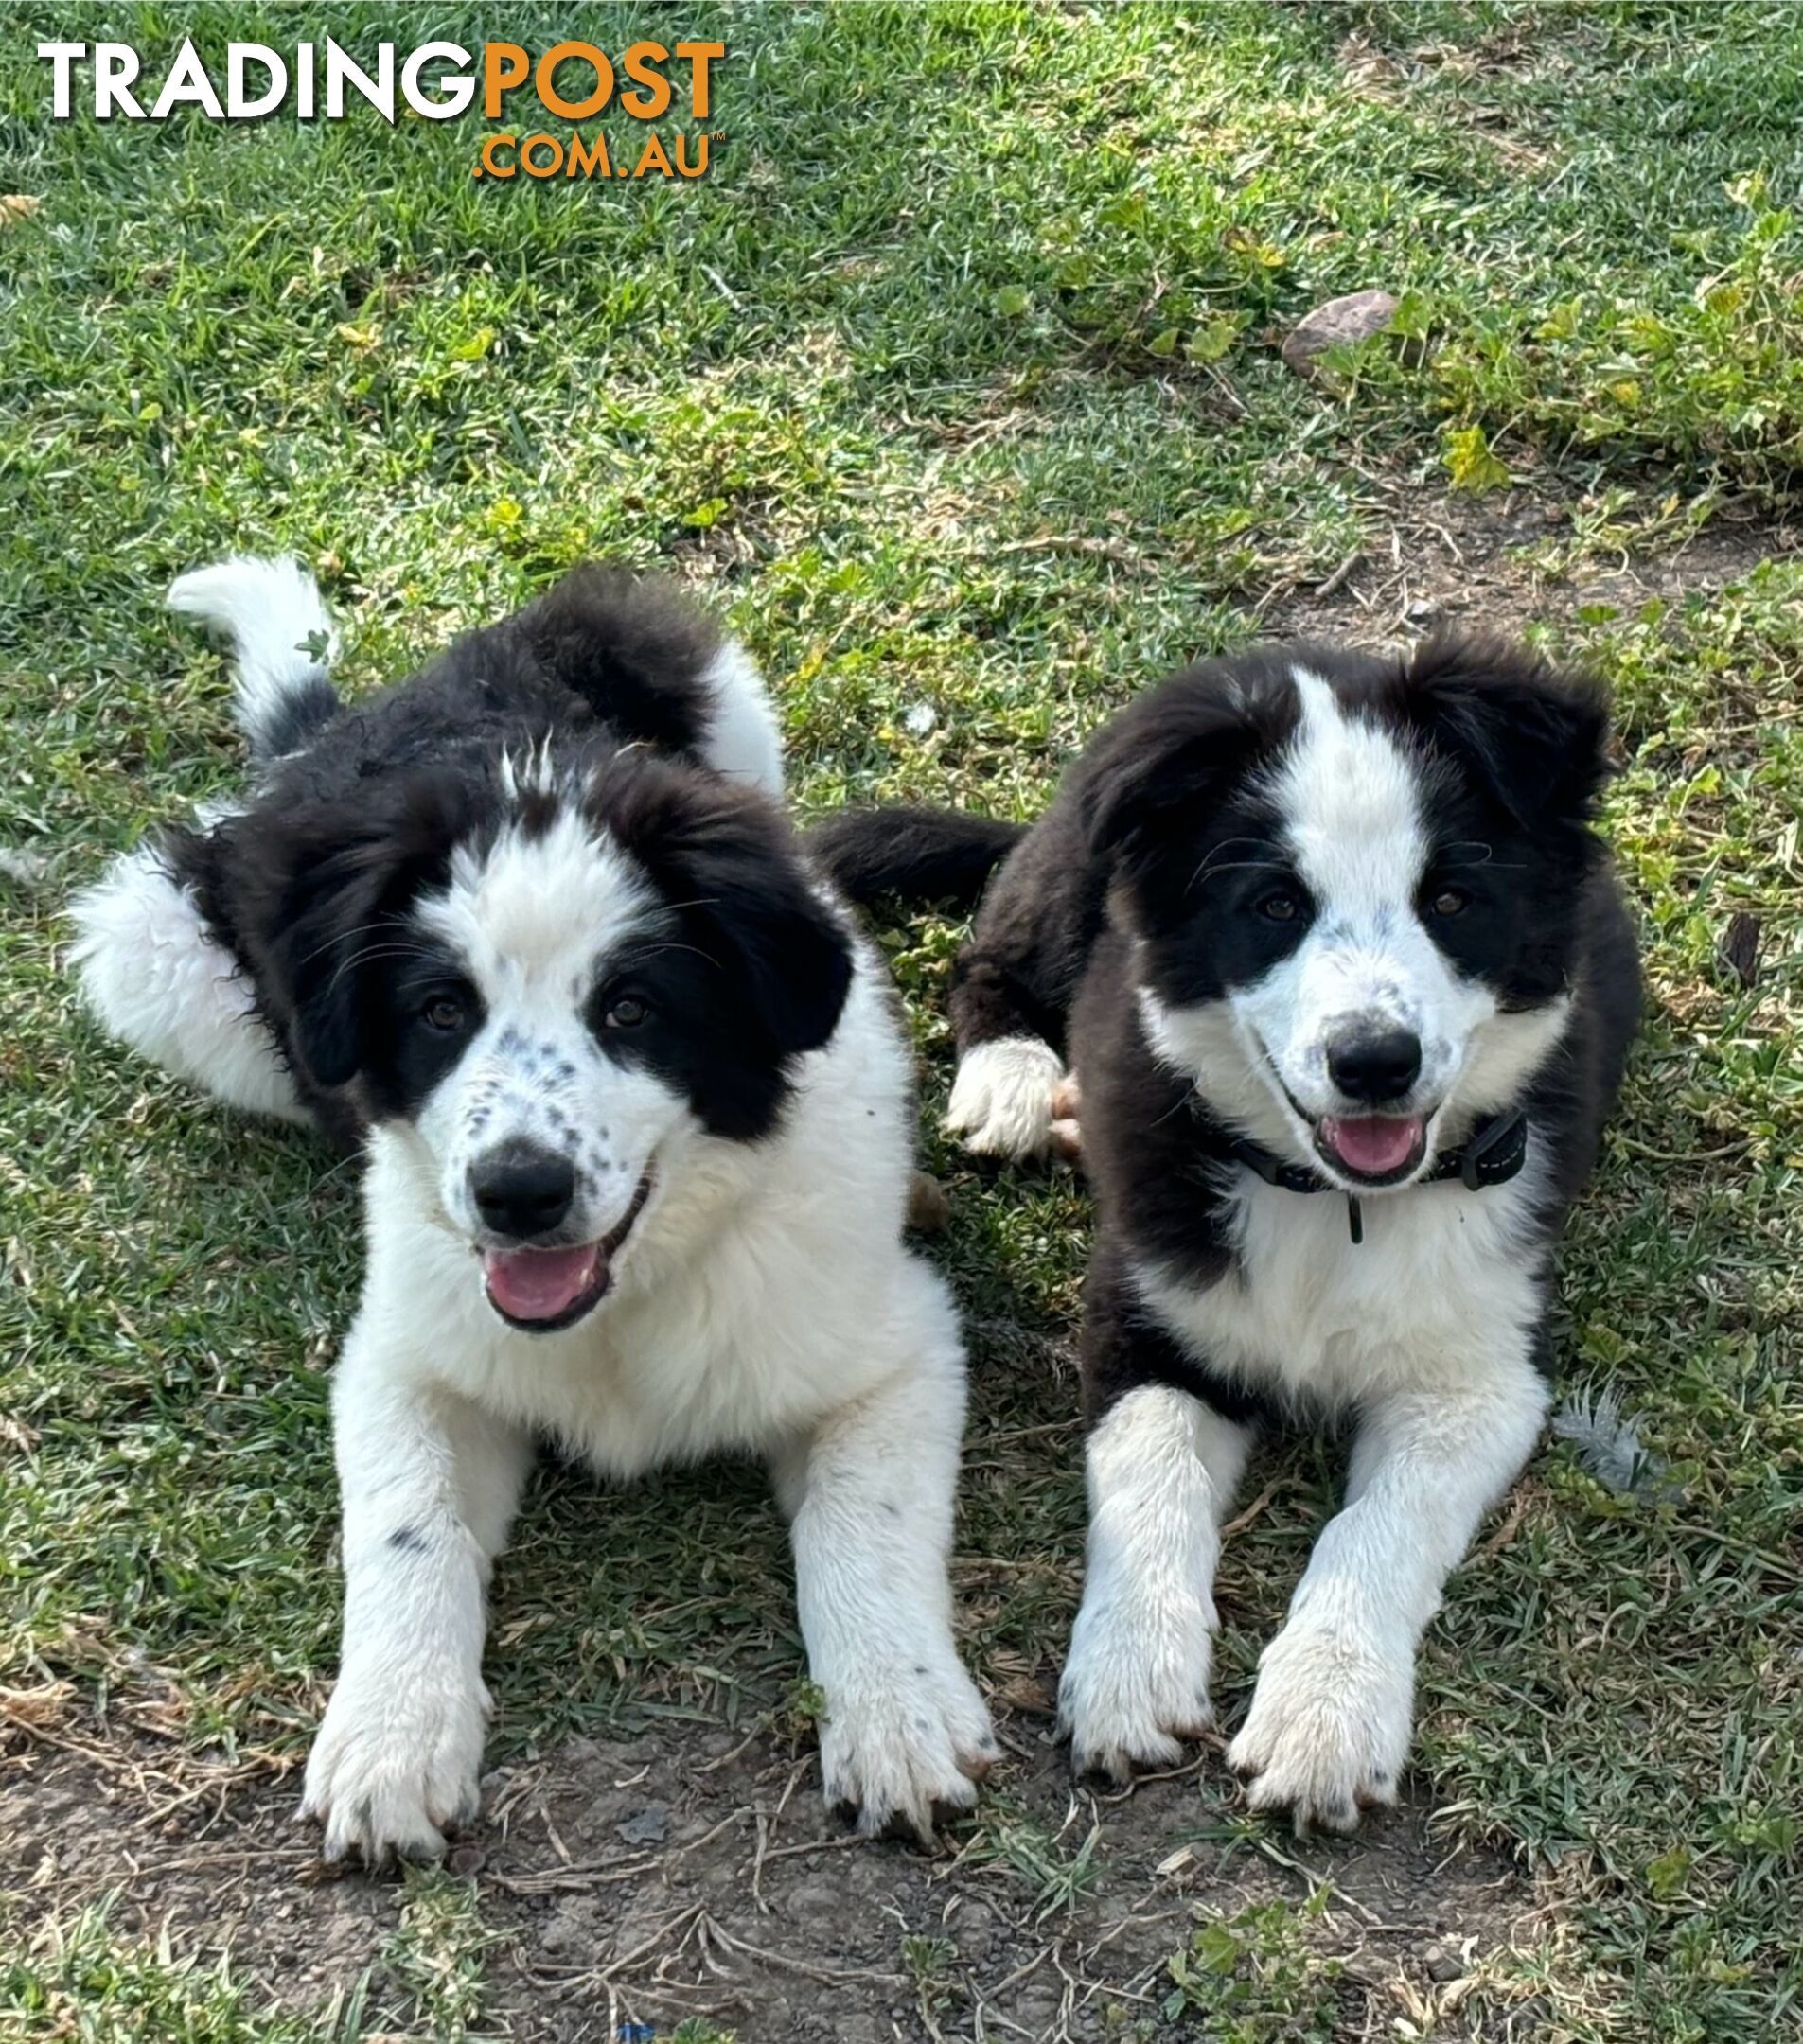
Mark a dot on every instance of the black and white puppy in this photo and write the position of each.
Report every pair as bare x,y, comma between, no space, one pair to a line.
637,1116
1343,974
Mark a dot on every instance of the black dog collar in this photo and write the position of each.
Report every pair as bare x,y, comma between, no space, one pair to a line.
1494,1153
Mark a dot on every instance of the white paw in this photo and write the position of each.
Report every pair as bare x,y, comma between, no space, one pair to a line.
391,1769
1001,1100
1328,1730
1136,1683
900,1740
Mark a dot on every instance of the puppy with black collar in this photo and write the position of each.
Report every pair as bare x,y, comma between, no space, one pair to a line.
1341,964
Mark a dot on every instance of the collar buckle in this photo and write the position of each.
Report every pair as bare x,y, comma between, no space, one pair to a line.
1496,1154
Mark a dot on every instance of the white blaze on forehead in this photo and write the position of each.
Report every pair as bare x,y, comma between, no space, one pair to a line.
534,912
534,920
1350,802
1348,796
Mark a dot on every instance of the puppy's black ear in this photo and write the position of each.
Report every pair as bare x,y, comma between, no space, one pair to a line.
1149,780
727,860
333,881
1534,737
330,912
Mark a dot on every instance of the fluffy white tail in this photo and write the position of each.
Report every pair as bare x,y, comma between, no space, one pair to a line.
276,620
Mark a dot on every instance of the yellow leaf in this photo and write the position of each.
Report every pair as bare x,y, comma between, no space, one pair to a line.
17,206
1471,462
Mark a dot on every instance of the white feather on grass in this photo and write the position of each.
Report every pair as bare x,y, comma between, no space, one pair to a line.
25,871
1609,1445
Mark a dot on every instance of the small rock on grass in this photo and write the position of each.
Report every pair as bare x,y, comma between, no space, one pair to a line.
1355,317
650,1826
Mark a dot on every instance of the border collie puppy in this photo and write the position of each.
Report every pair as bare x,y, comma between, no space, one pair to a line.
636,1111
1344,975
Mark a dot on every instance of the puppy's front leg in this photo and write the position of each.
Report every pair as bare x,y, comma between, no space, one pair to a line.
1162,1466
870,1498
429,1485
1329,1727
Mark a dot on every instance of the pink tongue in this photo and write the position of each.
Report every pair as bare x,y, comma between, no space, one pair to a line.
539,1284
1373,1145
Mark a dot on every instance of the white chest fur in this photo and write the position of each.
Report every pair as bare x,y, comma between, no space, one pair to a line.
765,1285
1443,1278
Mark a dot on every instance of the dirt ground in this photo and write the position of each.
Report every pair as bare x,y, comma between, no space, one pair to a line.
1502,564
699,1874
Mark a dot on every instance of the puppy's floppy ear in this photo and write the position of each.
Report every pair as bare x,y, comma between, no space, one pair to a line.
1150,777
726,860
327,906
1535,738
330,879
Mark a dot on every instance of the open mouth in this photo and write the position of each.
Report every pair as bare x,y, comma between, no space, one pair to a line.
542,1290
1376,1150
1370,1149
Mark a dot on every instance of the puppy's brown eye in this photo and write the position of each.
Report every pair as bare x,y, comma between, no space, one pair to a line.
443,1011
626,1012
1281,906
1449,901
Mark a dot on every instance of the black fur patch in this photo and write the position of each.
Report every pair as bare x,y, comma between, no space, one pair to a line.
605,654
1124,1346
917,855
1512,756
313,887
317,894
301,713
755,969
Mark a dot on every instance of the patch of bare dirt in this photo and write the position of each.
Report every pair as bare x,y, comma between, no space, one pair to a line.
696,1872
1502,564
1392,77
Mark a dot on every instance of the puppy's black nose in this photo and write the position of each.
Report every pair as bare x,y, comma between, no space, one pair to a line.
1374,1064
522,1191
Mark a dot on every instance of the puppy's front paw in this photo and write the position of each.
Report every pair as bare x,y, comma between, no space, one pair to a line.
900,1741
1136,1683
1001,1100
389,1771
1328,1730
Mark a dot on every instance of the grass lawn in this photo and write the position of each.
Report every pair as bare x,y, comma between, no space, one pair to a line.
955,386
